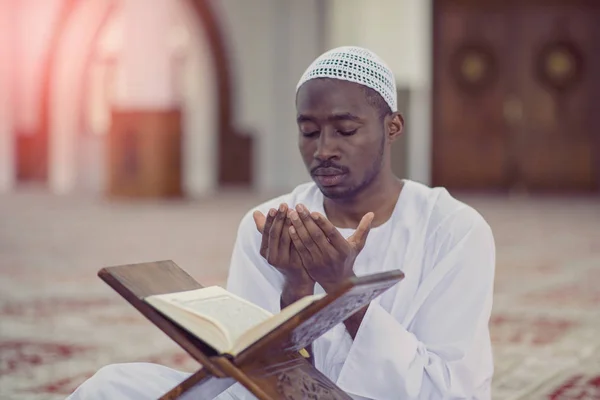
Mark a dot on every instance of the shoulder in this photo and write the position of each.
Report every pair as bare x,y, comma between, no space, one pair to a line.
455,235
444,215
306,193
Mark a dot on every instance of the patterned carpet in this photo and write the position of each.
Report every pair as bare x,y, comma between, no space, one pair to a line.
60,323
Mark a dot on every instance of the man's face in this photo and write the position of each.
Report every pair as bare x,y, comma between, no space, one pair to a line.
342,136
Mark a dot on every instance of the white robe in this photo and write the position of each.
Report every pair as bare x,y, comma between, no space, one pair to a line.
425,338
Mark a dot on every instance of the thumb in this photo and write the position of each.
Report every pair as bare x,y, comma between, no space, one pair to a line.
259,220
359,237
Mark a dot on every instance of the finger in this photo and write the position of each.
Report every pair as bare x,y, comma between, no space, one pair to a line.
359,237
264,245
315,232
304,235
275,233
294,255
303,252
285,243
259,220
333,235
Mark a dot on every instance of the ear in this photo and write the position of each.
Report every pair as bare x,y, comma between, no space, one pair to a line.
395,126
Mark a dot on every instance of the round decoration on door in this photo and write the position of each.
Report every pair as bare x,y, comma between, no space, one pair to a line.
560,65
474,67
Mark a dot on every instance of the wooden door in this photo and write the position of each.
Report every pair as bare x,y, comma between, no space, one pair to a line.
144,157
558,64
471,148
513,95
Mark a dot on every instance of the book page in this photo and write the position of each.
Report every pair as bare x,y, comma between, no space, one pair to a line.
270,324
235,316
232,313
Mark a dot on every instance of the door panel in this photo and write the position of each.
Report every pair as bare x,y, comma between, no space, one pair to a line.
555,140
471,146
530,122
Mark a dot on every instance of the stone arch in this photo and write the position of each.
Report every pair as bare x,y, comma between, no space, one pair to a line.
64,83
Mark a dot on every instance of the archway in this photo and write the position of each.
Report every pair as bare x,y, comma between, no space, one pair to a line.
64,88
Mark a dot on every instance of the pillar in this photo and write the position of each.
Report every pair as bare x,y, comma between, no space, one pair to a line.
7,146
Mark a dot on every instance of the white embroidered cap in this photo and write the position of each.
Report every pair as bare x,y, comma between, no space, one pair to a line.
358,65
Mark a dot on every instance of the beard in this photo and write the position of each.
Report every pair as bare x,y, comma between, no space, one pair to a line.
353,191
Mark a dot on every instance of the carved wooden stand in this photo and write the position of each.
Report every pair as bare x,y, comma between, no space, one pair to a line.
271,368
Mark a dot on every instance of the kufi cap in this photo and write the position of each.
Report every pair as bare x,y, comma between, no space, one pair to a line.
358,65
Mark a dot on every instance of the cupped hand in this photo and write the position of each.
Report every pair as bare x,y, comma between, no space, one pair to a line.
325,254
276,245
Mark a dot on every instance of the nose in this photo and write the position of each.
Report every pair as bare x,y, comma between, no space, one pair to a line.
327,147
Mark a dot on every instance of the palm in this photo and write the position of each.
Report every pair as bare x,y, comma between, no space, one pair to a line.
277,247
326,255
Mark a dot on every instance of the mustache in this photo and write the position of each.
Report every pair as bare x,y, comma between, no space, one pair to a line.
329,165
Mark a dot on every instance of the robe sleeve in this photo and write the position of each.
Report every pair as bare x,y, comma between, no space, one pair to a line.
250,276
444,352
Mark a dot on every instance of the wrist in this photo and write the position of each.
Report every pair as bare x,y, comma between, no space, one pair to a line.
333,285
299,289
298,282
294,291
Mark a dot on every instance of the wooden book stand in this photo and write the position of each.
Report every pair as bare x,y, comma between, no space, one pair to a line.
271,368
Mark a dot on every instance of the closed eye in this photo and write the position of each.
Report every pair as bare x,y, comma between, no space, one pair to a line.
310,134
347,133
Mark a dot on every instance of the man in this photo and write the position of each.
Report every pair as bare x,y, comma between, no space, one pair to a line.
425,338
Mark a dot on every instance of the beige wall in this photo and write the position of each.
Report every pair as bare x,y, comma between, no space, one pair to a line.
399,31
269,58
145,59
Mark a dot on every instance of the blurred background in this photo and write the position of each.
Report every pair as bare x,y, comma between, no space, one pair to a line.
143,130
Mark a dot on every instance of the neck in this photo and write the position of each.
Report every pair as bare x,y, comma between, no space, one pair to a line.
380,197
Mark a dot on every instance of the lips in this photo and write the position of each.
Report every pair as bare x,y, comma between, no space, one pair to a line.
327,172
329,175
330,178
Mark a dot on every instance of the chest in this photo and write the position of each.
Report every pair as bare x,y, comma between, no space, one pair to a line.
387,250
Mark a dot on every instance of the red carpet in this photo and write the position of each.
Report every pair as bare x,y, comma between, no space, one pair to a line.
60,323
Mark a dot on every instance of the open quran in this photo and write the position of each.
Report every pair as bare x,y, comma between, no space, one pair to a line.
236,341
224,321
